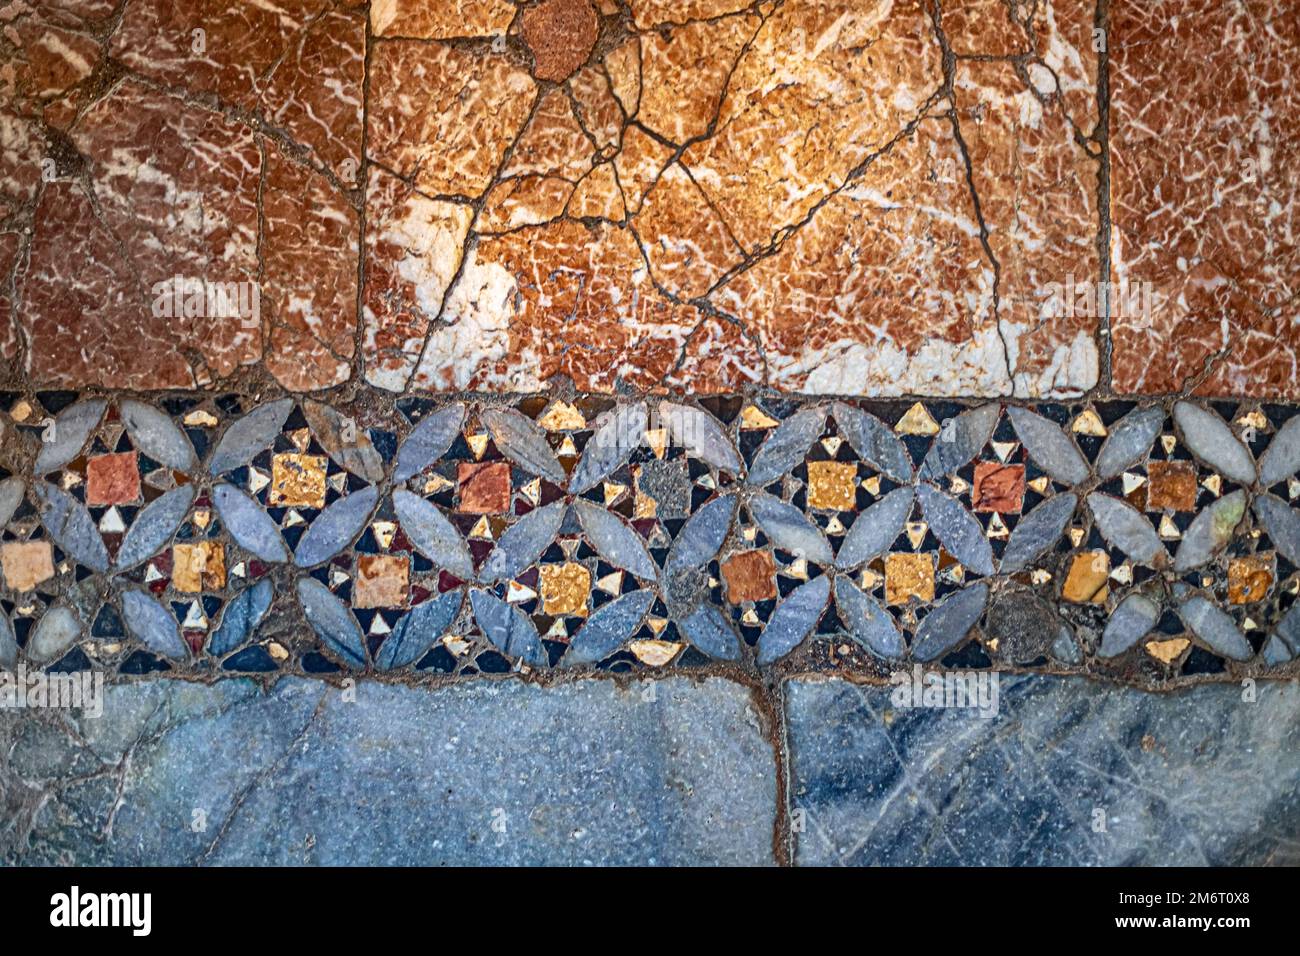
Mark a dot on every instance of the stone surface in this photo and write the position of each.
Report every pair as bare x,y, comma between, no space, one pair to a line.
1193,778
581,773
1207,225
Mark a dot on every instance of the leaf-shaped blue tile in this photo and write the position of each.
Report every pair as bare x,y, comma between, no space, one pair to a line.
155,434
700,434
874,531
250,526
335,527
609,627
416,631
1211,440
1130,439
959,440
1281,459
428,441
248,436
521,440
1049,447
53,634
869,624
509,629
793,620
1131,621
787,445
71,428
702,536
154,526
1123,527
789,528
951,620
708,629
613,539
1215,628
874,442
1282,523
617,433
8,643
71,526
1284,643
152,624
957,529
332,622
1037,531
11,496
432,534
523,542
241,617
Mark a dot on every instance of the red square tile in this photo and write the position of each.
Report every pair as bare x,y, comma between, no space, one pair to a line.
112,479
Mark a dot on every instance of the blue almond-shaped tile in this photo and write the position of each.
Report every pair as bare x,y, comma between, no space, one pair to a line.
247,436
155,434
152,624
789,528
700,434
618,432
509,629
240,620
520,439
787,445
609,627
793,620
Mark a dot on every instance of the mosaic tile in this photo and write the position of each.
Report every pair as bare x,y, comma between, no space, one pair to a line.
666,553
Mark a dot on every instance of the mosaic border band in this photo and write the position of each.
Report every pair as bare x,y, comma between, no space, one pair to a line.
1147,543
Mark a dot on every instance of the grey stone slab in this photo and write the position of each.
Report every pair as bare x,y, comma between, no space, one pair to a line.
491,772
1194,777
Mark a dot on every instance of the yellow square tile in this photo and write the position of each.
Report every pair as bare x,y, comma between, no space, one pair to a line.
382,581
298,481
26,564
830,485
565,588
199,567
907,576
1249,579
1086,581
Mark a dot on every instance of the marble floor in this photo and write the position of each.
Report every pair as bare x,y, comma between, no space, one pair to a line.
502,359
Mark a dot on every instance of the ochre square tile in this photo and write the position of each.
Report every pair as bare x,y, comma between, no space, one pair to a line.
749,576
484,487
26,564
1086,581
909,575
1171,486
298,481
382,581
564,588
112,479
830,485
998,487
199,567
1249,579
